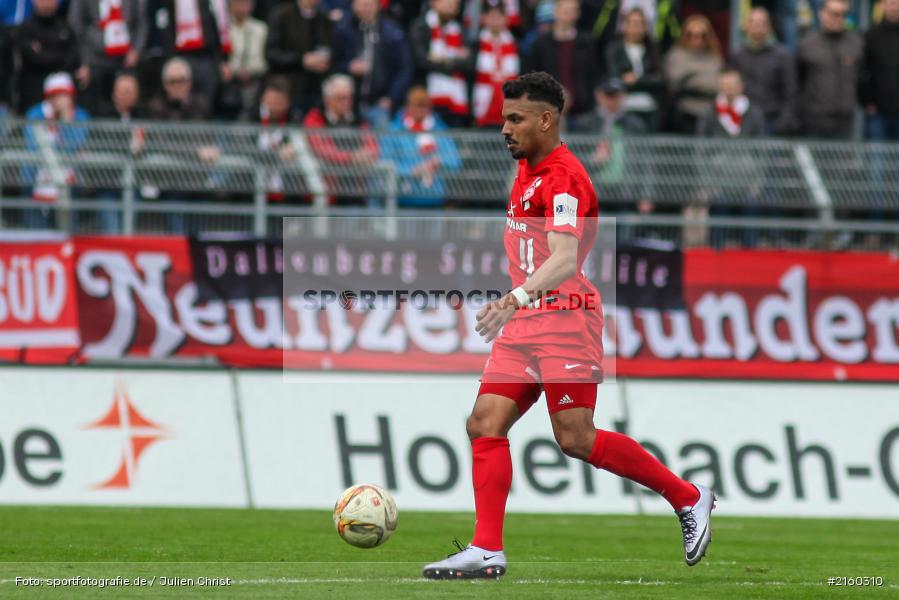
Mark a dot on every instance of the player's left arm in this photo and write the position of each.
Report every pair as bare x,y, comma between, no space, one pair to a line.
566,202
559,267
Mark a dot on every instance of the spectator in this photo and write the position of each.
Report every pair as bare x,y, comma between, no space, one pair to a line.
338,105
829,62
880,86
569,56
275,115
611,114
359,148
373,49
691,69
442,60
733,114
299,47
125,99
58,111
45,44
125,141
179,102
769,72
195,30
247,65
605,20
497,62
110,33
544,17
716,13
420,151
634,59
611,123
473,14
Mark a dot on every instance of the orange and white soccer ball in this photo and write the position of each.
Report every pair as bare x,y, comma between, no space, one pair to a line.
365,516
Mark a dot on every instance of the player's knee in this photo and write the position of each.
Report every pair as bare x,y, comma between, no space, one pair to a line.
477,426
483,425
574,443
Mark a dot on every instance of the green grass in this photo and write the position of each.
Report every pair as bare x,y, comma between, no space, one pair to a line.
276,554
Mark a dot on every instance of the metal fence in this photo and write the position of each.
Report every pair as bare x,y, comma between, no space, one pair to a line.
174,178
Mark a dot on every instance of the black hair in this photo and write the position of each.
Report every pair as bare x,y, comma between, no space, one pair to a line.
538,87
279,84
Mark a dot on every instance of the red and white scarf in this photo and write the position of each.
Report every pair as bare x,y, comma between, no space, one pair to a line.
426,142
45,188
447,91
189,26
116,38
497,63
731,115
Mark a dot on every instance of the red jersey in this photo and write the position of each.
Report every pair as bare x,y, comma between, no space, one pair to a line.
555,195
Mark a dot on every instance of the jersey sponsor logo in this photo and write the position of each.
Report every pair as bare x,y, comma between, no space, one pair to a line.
515,225
564,210
566,399
511,210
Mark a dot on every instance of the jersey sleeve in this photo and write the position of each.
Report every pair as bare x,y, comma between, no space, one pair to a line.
566,204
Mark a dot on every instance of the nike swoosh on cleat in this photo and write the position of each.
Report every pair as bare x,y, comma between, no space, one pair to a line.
485,557
692,555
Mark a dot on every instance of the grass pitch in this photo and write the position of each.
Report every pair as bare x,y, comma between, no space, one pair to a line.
297,554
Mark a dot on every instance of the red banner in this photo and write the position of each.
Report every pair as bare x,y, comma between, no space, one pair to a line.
38,315
771,315
749,314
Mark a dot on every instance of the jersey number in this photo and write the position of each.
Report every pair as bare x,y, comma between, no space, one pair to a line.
526,254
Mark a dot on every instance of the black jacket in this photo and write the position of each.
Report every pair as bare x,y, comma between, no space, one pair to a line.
290,36
753,125
392,69
44,45
769,74
880,72
545,57
618,63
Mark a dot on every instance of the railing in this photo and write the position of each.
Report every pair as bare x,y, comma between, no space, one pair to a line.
170,178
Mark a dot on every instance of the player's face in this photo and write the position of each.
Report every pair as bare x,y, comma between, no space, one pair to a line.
525,123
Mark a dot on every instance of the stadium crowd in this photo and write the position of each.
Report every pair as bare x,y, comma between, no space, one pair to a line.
628,67
664,62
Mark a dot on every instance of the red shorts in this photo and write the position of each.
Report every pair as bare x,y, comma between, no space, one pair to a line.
535,354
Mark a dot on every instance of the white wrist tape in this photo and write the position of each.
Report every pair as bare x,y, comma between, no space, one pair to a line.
521,296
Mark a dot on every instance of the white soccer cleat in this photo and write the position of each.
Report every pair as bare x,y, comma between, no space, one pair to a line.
470,562
696,524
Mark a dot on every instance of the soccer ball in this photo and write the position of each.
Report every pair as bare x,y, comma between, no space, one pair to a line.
365,515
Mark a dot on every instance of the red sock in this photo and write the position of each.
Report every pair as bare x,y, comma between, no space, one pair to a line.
491,474
624,457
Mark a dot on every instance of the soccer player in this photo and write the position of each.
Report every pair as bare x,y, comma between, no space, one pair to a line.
538,348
